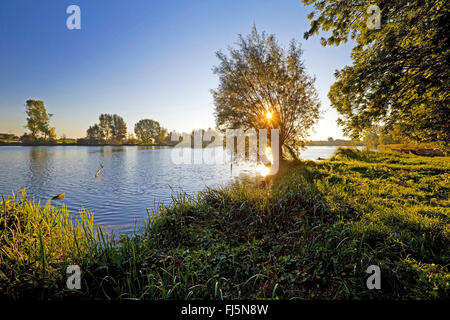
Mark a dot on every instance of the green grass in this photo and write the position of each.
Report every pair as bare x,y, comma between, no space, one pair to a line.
308,234
38,242
10,142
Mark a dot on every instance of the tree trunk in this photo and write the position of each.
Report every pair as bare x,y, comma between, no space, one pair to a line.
280,151
292,153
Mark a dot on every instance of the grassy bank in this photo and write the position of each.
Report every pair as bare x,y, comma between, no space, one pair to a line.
311,233
422,149
75,144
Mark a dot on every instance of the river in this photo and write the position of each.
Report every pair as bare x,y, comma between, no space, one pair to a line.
132,180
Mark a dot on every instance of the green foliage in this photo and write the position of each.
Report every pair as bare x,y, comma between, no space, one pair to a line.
259,77
149,131
28,138
163,137
131,139
95,135
337,142
8,137
118,129
112,129
38,121
380,135
37,243
105,126
400,72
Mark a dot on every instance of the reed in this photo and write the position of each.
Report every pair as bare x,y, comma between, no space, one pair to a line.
37,243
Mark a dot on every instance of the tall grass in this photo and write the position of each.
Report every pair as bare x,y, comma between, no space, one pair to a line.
37,243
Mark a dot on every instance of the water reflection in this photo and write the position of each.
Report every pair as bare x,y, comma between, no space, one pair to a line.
133,178
39,166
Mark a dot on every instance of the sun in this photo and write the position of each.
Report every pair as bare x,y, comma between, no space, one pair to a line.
263,170
269,115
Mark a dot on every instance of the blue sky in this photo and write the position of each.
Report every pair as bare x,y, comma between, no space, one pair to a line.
140,59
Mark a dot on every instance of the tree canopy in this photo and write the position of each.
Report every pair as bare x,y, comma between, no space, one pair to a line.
262,86
38,120
400,76
148,130
111,129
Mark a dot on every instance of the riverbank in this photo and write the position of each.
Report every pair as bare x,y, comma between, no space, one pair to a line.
310,233
429,150
74,144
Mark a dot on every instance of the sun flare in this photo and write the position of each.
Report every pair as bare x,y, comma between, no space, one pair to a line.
263,170
269,154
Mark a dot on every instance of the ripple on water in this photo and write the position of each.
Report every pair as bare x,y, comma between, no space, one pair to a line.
133,178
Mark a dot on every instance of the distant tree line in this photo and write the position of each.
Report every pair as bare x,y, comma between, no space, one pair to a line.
335,142
111,129
9,137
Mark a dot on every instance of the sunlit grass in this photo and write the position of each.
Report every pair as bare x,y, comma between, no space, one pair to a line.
37,242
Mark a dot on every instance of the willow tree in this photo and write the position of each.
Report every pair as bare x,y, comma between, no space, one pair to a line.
263,86
400,76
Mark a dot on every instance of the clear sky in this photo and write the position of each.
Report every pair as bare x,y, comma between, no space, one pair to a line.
140,59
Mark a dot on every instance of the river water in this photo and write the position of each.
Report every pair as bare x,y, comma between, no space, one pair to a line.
133,178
